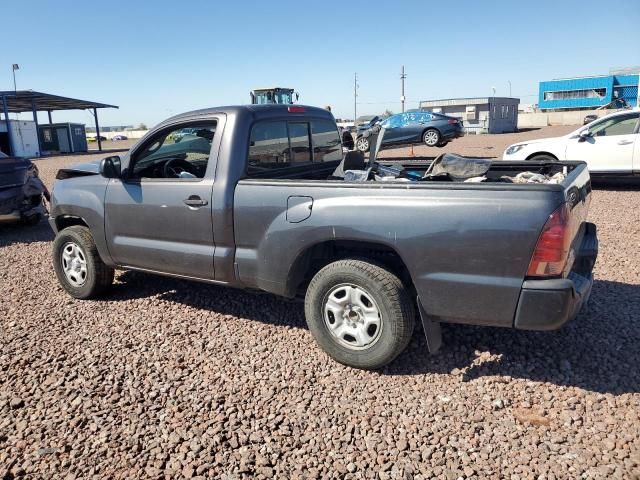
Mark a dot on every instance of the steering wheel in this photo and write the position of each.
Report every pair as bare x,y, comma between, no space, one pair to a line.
174,167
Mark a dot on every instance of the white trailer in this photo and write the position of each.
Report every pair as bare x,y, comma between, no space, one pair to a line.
25,137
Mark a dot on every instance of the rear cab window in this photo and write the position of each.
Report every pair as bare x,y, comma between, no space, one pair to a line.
280,146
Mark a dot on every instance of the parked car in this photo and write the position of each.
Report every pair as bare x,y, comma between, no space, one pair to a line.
368,125
609,145
21,191
94,138
365,244
117,138
589,119
432,129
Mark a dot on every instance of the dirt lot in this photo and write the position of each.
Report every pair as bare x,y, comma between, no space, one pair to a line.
172,379
482,145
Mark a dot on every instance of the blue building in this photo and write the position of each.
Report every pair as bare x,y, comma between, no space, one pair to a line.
590,92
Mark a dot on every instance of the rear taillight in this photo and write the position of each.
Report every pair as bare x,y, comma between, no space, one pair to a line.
552,250
296,109
451,121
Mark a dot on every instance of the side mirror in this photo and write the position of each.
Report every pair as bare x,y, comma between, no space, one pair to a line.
110,167
583,135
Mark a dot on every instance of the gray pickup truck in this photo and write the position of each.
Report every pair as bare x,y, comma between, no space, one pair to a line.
262,197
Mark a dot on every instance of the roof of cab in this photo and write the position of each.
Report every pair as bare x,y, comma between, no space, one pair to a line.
258,111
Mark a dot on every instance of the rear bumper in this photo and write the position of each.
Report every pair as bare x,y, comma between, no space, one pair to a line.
454,133
549,304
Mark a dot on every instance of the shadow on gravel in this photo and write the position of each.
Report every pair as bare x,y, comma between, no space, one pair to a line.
598,351
622,184
251,305
12,233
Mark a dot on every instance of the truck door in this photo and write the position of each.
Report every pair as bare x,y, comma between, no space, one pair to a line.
158,216
610,146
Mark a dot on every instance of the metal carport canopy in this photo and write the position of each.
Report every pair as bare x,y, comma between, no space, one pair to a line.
29,101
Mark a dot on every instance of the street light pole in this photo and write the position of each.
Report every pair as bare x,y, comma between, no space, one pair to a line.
15,67
509,88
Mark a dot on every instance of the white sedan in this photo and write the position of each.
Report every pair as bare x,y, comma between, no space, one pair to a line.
609,145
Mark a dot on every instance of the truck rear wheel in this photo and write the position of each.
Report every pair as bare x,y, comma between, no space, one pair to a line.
359,313
77,264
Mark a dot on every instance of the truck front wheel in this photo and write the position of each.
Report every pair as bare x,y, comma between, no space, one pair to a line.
359,313
77,264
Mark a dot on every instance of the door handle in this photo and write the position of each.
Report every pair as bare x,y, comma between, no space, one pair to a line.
195,201
625,142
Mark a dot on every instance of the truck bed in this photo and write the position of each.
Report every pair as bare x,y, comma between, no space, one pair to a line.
418,166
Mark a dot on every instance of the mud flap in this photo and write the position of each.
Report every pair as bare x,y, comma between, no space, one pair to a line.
432,329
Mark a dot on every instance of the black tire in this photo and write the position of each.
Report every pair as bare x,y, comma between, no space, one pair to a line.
98,277
543,157
362,144
391,300
431,137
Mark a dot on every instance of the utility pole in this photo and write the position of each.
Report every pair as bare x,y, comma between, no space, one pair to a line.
402,77
355,96
509,88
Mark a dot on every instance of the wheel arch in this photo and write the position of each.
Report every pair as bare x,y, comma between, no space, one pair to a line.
315,257
541,153
66,221
424,130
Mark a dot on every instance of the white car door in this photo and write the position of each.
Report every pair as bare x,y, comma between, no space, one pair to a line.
609,147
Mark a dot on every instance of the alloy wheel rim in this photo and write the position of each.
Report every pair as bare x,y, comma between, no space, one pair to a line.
74,264
431,138
352,316
363,144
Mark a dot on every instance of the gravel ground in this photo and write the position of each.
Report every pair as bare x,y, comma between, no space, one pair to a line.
169,379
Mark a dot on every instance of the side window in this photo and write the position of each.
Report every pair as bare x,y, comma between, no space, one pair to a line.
327,146
178,153
269,145
622,125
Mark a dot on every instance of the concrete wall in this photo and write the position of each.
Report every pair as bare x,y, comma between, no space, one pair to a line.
543,119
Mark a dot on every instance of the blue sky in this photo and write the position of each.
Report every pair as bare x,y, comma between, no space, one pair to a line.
155,59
